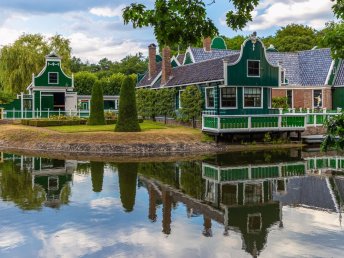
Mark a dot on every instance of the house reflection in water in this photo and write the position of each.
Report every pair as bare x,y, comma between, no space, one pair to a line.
246,199
50,177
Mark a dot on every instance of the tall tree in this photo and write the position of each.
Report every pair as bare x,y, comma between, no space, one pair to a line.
173,21
26,56
333,37
127,117
295,37
191,99
127,179
97,106
83,82
166,102
97,175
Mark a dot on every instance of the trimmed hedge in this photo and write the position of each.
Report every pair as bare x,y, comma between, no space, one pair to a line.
47,123
111,121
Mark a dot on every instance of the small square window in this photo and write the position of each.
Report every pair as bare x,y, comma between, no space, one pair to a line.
252,97
53,78
253,68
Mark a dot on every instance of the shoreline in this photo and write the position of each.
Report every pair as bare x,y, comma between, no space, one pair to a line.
126,146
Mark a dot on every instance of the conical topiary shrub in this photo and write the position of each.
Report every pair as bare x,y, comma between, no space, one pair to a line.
97,106
127,117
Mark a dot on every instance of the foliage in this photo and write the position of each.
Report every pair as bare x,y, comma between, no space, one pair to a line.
174,21
338,9
97,175
84,82
267,138
16,186
146,103
334,38
6,97
110,115
26,56
280,102
127,117
97,106
191,180
127,178
294,37
191,100
335,133
165,102
164,172
235,42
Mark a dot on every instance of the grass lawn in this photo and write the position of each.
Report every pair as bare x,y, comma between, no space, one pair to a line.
145,126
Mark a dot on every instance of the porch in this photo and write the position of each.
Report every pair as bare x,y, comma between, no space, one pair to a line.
282,121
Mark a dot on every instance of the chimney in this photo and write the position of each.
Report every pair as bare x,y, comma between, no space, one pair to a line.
207,44
166,65
152,60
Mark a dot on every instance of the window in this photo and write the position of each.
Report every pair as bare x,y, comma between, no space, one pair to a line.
180,99
253,68
283,77
317,98
210,98
290,98
252,97
53,78
228,97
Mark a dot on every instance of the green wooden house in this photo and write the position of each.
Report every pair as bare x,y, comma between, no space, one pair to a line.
238,85
52,92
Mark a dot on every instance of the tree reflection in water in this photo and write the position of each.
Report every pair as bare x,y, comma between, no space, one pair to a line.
127,177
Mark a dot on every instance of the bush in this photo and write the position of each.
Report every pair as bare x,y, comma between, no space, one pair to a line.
97,106
280,102
111,121
127,117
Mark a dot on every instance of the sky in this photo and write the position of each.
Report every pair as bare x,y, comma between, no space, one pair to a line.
96,30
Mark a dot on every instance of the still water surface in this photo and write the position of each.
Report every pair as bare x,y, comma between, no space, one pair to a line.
267,204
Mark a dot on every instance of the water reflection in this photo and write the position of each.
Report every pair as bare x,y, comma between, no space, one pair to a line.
244,194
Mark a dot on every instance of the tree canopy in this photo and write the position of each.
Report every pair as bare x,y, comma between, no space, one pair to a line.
174,21
26,56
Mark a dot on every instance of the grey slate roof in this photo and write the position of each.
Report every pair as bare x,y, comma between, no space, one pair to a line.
210,70
308,191
200,55
305,68
340,75
315,66
146,81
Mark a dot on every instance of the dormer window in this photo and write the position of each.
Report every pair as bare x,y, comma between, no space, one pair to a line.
283,79
253,68
53,78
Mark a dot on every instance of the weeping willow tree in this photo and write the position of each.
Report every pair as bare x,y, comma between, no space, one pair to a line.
26,56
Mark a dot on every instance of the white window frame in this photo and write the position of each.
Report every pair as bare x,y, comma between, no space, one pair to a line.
180,99
252,76
236,96
261,97
206,98
322,98
57,82
283,79
292,97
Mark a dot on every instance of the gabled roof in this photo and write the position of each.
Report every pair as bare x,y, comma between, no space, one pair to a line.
340,75
146,81
206,71
304,68
200,54
180,58
310,191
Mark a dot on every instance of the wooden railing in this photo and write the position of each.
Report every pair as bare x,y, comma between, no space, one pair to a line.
294,121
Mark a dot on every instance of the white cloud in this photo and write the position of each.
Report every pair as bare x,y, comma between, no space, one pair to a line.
281,13
9,238
96,48
105,203
107,11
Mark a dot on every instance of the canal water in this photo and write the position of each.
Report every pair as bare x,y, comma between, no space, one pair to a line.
284,203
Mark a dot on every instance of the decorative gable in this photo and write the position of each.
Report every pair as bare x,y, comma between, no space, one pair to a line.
52,74
253,68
